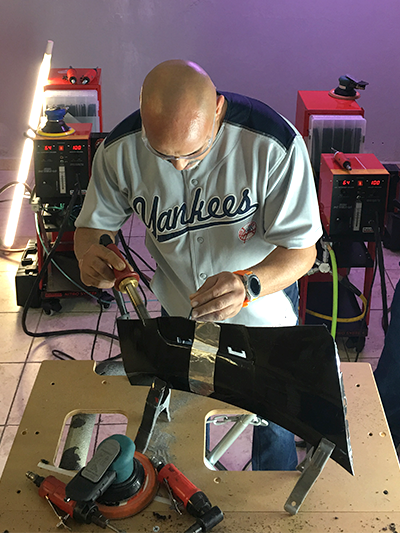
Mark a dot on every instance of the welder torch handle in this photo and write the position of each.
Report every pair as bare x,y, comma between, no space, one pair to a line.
126,280
120,275
342,160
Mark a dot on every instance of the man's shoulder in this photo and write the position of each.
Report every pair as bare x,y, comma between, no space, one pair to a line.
130,125
256,116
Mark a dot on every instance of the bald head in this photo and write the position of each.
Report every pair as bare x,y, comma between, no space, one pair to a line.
178,106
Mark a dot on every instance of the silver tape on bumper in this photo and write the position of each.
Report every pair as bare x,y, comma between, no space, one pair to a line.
202,358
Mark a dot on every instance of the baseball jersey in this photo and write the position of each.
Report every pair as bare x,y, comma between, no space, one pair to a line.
252,192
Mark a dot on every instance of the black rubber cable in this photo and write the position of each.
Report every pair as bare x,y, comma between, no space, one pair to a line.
378,262
381,266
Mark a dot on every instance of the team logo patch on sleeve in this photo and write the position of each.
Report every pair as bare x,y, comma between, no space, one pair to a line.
248,231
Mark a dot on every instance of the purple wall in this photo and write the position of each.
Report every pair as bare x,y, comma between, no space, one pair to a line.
266,49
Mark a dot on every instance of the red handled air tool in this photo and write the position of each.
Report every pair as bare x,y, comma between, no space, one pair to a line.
118,482
194,500
53,490
126,281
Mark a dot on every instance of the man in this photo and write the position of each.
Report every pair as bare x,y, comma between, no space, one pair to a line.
223,185
387,373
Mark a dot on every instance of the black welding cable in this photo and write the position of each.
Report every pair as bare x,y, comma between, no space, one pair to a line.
363,324
64,356
378,263
128,254
41,275
97,330
132,262
141,259
381,266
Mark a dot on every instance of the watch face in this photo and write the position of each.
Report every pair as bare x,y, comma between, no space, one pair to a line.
253,285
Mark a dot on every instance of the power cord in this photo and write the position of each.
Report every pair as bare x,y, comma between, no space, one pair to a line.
12,184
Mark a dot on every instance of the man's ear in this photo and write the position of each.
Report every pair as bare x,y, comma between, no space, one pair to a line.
220,104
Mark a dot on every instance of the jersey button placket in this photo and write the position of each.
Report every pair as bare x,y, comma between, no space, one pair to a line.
202,275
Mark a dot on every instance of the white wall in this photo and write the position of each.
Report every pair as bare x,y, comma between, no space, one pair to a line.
268,49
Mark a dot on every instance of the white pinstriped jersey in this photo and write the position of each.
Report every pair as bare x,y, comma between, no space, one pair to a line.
252,192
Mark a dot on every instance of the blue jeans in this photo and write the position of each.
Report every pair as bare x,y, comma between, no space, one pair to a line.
274,448
387,373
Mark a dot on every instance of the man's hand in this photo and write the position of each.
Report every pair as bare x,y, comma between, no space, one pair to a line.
96,266
220,297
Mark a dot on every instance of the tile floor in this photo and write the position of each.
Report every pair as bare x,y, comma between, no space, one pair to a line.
21,355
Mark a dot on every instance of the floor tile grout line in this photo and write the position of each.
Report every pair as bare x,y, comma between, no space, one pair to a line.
14,397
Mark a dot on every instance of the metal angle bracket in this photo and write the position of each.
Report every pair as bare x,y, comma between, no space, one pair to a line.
310,468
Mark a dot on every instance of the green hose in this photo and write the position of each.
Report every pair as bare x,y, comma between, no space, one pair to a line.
335,288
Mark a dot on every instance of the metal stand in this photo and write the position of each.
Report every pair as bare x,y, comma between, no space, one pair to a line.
310,468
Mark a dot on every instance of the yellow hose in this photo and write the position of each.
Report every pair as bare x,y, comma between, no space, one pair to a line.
335,289
353,319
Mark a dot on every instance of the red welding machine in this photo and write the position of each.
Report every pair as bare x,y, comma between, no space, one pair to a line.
352,202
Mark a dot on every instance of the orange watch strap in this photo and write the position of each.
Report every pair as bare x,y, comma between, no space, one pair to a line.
246,301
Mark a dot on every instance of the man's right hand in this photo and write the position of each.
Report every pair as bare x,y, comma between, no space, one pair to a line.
97,264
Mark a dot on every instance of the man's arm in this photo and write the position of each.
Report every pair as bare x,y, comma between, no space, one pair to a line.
95,260
222,295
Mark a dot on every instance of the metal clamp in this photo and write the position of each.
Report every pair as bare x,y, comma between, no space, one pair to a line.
158,400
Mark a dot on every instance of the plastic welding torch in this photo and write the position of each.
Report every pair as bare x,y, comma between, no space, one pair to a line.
89,76
340,158
126,281
72,75
194,500
53,490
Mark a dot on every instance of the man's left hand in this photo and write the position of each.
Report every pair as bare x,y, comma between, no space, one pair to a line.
220,297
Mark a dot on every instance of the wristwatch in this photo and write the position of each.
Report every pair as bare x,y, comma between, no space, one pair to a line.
251,284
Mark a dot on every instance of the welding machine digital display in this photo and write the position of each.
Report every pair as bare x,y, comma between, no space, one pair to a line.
351,201
62,163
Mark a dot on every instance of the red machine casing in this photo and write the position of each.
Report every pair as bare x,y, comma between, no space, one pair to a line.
56,82
71,161
351,200
320,103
